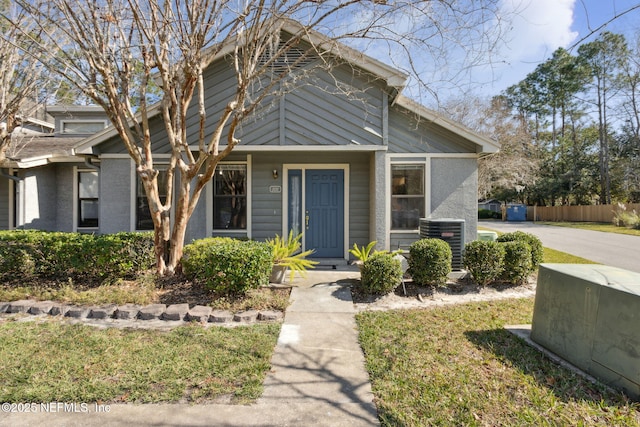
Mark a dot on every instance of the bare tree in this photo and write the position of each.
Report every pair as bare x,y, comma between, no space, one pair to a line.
20,74
121,49
516,166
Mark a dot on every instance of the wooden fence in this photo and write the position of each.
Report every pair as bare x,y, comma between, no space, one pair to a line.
591,213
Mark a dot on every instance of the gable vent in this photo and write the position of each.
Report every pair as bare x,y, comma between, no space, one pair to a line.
288,60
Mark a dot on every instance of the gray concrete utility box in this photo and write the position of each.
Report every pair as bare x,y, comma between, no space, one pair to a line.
590,315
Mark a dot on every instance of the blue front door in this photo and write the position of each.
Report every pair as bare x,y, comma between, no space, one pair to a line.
324,212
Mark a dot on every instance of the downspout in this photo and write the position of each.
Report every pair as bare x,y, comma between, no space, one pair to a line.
11,177
88,162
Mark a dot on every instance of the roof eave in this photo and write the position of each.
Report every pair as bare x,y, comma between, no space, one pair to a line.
86,145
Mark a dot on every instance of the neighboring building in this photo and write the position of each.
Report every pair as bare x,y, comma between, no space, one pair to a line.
341,170
492,205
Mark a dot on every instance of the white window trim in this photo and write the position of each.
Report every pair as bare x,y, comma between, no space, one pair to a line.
76,171
285,196
209,201
412,159
63,122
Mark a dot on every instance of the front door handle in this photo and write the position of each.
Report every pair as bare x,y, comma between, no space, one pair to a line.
306,220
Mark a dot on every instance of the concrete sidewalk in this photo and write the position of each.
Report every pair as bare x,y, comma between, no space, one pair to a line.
317,376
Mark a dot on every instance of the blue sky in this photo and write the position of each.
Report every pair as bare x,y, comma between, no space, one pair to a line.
539,27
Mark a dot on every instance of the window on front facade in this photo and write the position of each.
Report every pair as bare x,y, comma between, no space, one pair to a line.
230,197
143,213
88,199
83,127
407,196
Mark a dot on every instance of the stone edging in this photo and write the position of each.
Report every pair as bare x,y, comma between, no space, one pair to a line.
173,312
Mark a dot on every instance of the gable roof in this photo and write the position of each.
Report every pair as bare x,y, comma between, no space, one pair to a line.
394,79
28,151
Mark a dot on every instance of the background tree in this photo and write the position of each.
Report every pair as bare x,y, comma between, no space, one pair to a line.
580,112
626,144
516,165
605,57
118,49
21,86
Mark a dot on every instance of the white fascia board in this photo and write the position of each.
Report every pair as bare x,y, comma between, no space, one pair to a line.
33,162
39,122
303,148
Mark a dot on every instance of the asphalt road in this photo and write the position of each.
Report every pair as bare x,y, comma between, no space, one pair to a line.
617,250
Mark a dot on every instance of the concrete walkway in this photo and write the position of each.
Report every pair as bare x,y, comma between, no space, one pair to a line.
616,250
317,376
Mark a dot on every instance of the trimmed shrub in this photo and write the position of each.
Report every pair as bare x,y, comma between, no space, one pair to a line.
537,251
381,274
63,256
430,261
123,255
484,260
517,261
227,265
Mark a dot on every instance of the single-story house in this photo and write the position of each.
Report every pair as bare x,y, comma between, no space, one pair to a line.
491,204
341,169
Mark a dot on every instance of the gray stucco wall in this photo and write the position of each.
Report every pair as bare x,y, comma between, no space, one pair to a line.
454,189
40,198
115,195
379,191
64,201
4,202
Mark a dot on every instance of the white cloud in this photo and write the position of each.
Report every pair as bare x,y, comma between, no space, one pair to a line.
533,30
537,28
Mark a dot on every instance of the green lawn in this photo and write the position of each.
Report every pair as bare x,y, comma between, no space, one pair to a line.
53,362
554,256
457,365
596,226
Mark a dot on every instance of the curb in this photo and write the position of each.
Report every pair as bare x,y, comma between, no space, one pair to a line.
133,312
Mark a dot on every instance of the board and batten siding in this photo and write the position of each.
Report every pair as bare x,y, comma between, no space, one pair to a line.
320,114
159,140
317,112
267,207
409,135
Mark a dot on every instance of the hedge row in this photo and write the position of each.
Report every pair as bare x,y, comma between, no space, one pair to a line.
227,265
30,254
512,258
